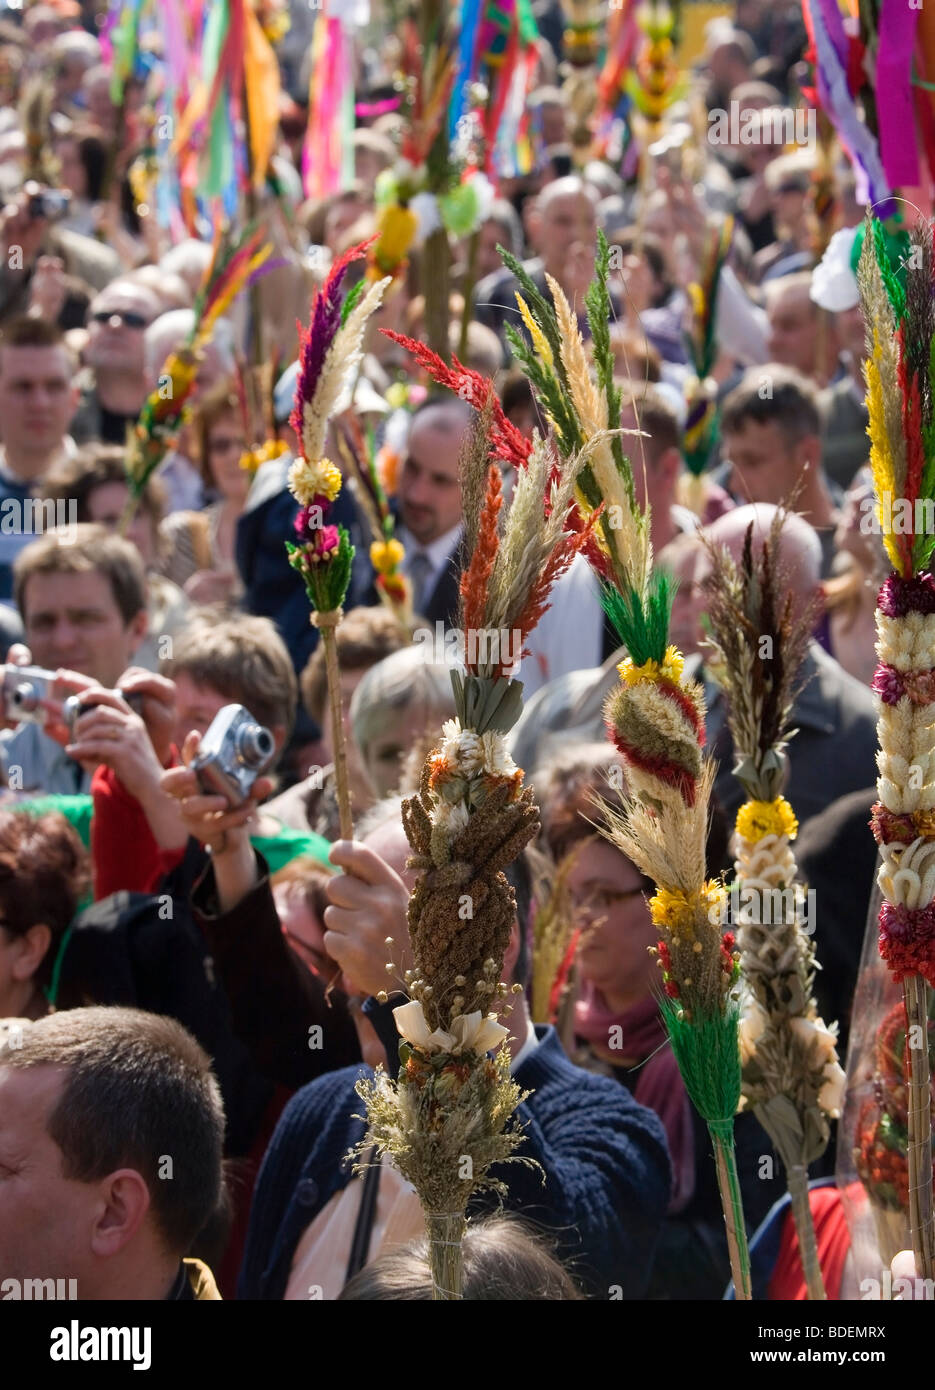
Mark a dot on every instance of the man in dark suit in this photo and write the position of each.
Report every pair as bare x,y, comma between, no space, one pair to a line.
428,506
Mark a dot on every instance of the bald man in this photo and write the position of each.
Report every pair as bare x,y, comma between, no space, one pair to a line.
428,505
563,231
833,752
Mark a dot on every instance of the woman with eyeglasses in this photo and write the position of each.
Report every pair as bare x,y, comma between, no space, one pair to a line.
615,1027
198,547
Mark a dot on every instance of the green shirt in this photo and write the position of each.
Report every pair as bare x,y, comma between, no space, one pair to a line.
278,850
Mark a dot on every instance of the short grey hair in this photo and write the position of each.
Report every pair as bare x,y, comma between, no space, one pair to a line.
396,683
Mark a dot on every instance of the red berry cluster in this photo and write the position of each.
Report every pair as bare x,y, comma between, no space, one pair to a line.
665,965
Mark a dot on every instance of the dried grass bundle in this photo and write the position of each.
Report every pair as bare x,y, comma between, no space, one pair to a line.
791,1077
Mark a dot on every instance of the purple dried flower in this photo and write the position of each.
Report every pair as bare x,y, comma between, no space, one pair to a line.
888,684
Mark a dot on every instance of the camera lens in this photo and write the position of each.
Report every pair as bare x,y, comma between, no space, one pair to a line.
70,711
254,745
26,698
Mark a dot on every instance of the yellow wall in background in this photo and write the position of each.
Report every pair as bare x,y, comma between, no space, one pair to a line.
695,15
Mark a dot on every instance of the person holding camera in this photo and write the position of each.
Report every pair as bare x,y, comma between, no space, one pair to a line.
82,599
28,234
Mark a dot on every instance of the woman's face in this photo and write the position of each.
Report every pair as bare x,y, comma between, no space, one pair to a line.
384,754
72,177
106,506
302,928
20,957
226,444
607,894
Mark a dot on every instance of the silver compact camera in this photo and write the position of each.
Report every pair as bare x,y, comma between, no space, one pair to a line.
75,705
24,689
233,754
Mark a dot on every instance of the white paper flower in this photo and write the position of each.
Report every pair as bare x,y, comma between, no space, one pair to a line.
486,195
469,1032
451,818
461,748
834,284
817,1037
425,207
494,755
831,1095
752,1027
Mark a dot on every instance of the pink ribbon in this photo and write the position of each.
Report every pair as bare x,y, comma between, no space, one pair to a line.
898,146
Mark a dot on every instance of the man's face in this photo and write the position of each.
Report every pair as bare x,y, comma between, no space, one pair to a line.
429,486
764,466
37,399
197,705
654,482
118,318
488,257
851,332
46,1219
792,329
554,125
567,223
100,106
72,620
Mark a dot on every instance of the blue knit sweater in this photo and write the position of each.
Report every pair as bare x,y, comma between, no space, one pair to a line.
606,1165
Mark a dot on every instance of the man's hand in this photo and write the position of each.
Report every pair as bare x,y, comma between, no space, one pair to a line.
110,732
368,903
48,289
159,708
210,586
20,233
66,683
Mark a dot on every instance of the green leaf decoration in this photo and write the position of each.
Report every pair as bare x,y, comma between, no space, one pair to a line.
326,581
707,1051
483,704
351,300
642,627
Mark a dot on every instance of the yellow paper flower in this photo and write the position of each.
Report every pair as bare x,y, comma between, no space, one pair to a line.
672,909
758,818
397,395
254,458
310,480
670,668
386,556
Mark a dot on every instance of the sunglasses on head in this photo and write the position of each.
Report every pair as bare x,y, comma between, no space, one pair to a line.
126,316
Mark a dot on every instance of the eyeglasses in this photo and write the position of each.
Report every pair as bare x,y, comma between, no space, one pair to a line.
126,317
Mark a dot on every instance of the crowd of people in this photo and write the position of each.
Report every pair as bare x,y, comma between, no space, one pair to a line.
190,990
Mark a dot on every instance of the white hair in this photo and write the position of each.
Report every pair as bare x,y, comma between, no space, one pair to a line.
189,260
77,43
398,682
168,332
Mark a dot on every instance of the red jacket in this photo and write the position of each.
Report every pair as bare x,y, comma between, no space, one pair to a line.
124,852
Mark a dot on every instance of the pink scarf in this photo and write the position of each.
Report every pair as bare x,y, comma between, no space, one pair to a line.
658,1083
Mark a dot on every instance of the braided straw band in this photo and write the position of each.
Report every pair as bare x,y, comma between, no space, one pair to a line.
329,619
